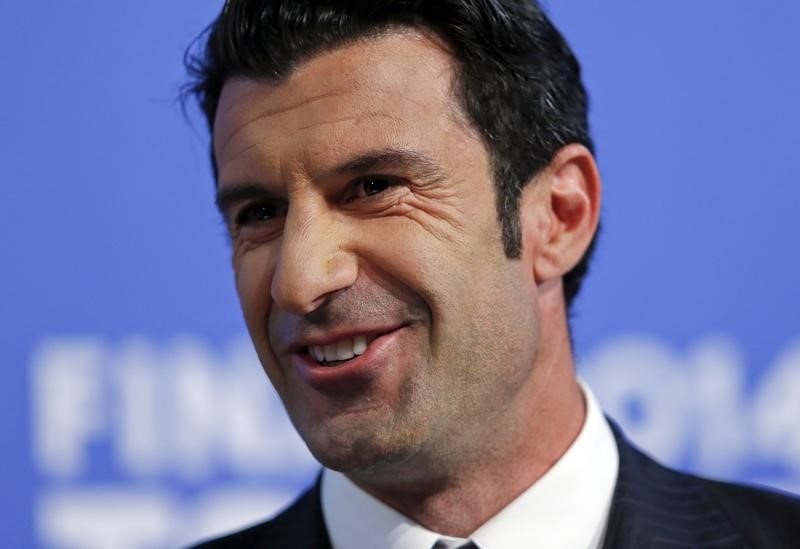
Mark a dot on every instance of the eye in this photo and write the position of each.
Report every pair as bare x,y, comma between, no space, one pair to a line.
258,214
371,185
375,185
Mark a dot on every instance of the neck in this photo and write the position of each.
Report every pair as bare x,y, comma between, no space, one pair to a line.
524,442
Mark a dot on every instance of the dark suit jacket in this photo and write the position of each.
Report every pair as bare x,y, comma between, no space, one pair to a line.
653,507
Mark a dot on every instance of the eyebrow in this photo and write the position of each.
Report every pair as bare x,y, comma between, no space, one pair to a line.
417,164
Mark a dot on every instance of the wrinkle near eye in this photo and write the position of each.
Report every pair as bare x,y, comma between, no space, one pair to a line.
433,215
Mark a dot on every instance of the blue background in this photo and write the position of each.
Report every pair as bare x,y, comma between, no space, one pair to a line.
109,233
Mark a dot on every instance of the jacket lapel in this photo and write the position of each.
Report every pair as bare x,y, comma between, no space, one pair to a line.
313,532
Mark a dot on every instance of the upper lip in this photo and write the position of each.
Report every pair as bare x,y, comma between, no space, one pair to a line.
329,337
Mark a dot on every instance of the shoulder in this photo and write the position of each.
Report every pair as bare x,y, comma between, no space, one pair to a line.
690,508
758,513
300,525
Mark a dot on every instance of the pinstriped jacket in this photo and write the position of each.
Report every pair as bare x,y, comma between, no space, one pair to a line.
652,507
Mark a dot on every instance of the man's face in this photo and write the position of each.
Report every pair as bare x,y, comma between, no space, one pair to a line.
368,256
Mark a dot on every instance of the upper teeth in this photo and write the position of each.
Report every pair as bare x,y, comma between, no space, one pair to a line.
342,350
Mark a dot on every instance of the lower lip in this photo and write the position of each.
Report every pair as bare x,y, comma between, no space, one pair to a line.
347,375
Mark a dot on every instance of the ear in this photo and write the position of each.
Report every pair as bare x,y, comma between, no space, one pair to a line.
559,213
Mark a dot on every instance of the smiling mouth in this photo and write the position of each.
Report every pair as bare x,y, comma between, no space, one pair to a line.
340,352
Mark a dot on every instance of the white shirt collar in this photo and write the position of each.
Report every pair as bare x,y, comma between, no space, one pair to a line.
567,507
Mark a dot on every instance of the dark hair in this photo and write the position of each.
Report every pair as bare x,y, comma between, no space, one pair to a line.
516,79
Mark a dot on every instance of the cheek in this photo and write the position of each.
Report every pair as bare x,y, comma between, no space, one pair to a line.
253,273
399,253
253,277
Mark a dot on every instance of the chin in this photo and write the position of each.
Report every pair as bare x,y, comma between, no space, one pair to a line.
357,448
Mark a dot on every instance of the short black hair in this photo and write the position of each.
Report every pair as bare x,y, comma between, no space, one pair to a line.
516,79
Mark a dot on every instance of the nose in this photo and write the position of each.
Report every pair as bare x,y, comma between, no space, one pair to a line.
313,262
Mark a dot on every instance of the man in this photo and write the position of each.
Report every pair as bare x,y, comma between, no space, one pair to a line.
412,201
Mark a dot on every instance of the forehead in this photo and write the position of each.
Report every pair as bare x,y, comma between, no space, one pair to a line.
384,88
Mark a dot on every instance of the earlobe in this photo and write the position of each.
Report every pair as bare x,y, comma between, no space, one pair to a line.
569,210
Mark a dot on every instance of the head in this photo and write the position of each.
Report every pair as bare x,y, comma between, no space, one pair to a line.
381,166
516,79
